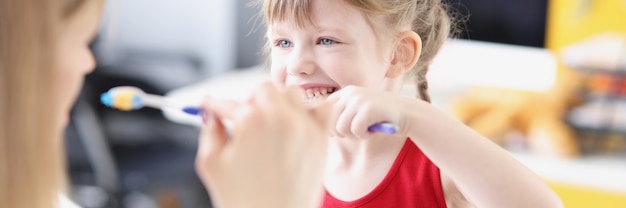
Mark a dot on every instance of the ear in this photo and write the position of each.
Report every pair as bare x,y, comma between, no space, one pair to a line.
407,51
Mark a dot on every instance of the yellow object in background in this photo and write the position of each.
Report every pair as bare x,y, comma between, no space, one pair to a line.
570,21
574,196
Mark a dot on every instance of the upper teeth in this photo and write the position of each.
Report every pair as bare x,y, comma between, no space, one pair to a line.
318,92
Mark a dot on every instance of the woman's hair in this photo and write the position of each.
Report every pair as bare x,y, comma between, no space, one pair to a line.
428,18
32,168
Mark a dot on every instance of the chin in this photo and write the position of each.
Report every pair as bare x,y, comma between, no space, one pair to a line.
314,102
63,121
63,117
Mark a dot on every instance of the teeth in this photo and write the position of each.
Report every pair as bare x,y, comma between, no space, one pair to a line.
316,93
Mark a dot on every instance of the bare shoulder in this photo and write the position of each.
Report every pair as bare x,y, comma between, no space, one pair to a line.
453,196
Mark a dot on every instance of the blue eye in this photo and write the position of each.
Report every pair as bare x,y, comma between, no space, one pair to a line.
284,44
326,41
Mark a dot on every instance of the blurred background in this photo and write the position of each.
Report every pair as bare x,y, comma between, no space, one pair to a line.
575,125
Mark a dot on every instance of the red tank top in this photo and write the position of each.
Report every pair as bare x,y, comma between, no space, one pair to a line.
412,181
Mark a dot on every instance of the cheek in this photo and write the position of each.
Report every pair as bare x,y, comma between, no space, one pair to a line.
352,70
278,71
373,68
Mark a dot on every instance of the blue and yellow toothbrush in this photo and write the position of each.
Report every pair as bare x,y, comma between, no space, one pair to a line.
127,98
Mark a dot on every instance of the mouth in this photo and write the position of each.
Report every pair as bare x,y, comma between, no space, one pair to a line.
315,93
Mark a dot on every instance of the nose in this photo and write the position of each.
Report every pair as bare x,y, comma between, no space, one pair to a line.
301,63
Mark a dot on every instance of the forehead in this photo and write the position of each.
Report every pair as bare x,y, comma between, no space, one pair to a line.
322,14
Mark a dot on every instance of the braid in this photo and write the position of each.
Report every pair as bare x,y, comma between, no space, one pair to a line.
422,84
432,24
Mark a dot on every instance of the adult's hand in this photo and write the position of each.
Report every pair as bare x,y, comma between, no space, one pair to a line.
274,154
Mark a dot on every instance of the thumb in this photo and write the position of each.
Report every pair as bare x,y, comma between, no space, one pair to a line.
213,136
211,142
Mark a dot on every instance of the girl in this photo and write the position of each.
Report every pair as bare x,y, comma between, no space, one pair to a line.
356,54
44,56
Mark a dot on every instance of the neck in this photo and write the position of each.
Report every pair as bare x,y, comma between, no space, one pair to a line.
404,85
354,152
393,84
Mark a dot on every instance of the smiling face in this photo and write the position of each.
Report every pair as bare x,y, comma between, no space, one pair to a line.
337,48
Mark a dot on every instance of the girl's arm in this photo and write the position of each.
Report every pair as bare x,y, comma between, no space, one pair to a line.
486,174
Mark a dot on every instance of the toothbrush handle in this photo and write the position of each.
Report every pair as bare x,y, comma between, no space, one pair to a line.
379,127
195,111
387,128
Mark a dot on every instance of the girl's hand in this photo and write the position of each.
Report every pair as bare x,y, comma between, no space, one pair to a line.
358,108
273,157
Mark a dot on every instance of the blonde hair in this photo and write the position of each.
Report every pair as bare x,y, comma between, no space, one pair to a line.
32,168
428,18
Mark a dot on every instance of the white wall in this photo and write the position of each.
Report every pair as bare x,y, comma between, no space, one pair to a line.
204,27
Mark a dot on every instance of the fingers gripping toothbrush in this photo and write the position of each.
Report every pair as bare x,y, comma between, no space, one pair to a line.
128,98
